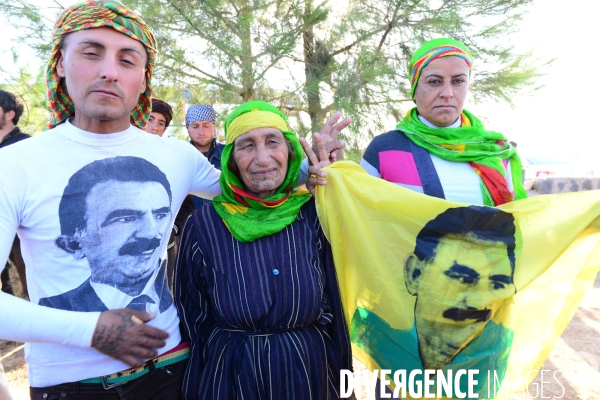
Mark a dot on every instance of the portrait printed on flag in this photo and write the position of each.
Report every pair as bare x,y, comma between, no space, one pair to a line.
463,263
460,272
433,284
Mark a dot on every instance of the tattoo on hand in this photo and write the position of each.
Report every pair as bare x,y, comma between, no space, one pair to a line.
108,338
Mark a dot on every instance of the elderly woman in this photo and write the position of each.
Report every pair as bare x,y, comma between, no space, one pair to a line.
440,148
255,284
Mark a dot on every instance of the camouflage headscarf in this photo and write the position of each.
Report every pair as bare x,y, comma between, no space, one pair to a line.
89,15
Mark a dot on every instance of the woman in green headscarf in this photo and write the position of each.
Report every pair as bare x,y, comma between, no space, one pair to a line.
255,284
440,148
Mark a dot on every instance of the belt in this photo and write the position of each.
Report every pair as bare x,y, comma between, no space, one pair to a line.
179,353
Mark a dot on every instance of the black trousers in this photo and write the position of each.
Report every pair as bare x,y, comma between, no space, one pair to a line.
161,384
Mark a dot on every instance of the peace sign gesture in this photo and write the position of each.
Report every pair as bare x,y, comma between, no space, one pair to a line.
329,133
315,171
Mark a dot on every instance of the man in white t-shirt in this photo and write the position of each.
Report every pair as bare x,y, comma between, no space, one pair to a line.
105,55
90,218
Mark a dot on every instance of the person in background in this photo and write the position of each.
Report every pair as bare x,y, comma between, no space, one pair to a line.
200,121
11,110
160,117
158,122
439,148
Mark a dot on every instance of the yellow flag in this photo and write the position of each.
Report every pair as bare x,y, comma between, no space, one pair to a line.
429,284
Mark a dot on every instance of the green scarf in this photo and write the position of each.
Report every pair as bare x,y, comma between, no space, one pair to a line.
471,143
247,217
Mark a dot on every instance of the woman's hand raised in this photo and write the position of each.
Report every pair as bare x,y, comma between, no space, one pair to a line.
317,175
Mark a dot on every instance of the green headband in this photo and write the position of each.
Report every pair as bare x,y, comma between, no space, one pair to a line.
432,50
291,177
247,217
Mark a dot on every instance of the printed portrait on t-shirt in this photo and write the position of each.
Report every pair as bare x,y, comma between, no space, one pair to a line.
115,213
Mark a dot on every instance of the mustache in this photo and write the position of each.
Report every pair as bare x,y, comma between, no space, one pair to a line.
104,86
458,314
138,247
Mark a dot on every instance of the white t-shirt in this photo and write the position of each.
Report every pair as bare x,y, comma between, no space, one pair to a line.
94,213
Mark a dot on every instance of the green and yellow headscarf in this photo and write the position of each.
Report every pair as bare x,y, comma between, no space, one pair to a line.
249,217
89,15
486,151
432,50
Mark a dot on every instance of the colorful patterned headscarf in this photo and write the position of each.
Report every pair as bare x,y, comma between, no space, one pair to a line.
249,217
434,49
89,15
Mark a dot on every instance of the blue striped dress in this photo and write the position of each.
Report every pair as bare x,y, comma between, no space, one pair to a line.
264,318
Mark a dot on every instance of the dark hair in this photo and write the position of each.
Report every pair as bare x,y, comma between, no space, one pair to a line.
9,102
163,108
486,223
72,208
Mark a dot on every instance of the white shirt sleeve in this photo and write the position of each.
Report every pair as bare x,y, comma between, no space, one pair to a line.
205,180
303,177
23,321
9,221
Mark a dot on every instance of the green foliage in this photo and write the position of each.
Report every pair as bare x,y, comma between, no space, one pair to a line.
31,90
35,23
314,57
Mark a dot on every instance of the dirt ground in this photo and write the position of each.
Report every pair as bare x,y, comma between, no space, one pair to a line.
576,355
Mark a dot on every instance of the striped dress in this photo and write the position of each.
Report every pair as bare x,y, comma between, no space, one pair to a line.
264,318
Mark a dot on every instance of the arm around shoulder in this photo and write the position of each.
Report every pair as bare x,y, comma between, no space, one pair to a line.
205,177
23,321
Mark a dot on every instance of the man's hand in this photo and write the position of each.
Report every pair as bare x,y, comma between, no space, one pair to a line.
123,334
316,174
329,133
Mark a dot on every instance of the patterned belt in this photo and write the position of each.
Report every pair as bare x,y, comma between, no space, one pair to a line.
179,353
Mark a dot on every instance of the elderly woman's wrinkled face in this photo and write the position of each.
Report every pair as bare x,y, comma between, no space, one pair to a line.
442,90
261,156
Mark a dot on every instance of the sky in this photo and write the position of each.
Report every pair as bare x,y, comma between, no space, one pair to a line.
556,119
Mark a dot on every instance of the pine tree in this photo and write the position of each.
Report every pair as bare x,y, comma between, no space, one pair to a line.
316,56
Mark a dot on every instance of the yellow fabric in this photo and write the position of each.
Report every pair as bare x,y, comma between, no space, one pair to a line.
253,120
235,208
455,147
372,225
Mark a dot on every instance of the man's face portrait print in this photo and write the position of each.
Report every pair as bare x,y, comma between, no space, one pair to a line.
115,213
125,225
